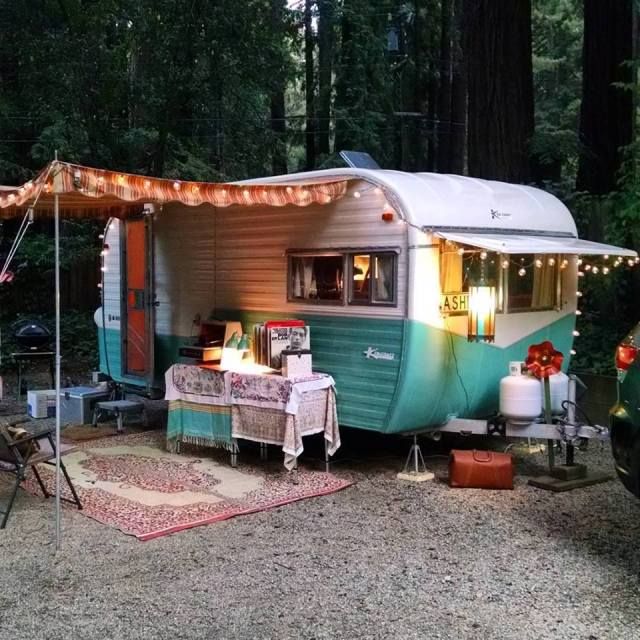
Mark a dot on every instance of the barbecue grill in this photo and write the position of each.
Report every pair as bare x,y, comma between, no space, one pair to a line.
31,335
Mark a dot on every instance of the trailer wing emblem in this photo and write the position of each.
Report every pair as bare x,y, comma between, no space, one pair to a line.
498,215
373,354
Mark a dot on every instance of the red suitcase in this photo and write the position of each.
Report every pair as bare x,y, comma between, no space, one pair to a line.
480,469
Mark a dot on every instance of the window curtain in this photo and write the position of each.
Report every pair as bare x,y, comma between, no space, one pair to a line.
544,283
303,278
383,285
450,272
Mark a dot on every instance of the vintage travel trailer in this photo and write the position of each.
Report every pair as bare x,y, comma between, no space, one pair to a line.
418,289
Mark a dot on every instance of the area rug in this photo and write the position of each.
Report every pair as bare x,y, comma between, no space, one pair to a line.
132,483
82,432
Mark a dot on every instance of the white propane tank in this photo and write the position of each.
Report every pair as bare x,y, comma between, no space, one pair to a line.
559,384
519,395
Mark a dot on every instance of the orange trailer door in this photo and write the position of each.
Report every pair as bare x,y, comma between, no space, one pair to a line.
137,340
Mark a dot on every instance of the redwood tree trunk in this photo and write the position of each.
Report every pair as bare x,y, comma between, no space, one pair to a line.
606,114
500,81
310,142
278,110
325,70
444,96
456,161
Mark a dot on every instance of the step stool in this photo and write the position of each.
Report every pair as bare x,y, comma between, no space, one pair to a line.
117,408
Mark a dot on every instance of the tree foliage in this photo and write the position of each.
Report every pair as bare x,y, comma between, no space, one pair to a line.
222,90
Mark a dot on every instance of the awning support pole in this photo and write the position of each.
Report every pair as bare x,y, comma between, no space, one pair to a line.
56,209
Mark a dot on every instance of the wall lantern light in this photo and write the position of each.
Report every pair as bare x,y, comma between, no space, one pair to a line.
482,313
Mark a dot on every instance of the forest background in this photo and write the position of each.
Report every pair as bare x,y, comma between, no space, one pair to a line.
542,92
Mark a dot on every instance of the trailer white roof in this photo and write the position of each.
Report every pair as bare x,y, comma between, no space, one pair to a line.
440,201
497,216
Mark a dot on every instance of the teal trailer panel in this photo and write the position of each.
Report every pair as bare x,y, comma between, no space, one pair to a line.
445,376
366,385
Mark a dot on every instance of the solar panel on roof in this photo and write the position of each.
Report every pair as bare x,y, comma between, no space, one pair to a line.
359,160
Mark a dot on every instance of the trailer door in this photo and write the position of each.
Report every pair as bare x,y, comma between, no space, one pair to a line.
137,336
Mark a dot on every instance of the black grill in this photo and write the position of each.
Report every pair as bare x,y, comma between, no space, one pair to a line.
32,335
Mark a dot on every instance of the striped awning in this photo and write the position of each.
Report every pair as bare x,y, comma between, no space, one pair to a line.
85,192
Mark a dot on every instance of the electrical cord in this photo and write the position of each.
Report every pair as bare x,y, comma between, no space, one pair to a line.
455,360
565,405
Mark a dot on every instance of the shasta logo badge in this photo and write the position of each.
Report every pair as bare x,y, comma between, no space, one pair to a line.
499,215
373,354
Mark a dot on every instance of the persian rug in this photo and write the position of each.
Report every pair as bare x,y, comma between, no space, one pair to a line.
132,483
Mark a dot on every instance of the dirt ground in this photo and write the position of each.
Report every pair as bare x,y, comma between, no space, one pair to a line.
381,559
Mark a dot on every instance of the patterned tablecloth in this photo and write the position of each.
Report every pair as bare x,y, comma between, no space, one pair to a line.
262,407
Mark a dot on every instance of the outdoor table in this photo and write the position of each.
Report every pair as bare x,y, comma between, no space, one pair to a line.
213,407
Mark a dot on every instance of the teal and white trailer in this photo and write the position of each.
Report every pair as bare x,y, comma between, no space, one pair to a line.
381,275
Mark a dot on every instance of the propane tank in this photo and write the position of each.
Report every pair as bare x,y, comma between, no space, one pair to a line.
559,387
519,395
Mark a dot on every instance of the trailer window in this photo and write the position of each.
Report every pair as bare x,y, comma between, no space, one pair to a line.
461,267
532,282
316,278
372,278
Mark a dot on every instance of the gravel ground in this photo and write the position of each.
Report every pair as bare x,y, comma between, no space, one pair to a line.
381,559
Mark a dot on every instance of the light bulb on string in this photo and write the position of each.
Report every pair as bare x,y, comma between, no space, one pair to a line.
605,270
579,294
460,252
552,262
505,264
580,274
538,263
587,267
522,272
631,262
579,260
356,194
483,255
595,270
573,352
578,312
576,333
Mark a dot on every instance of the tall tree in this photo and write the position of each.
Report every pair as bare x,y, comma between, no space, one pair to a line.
326,42
278,110
455,162
445,89
363,90
557,78
309,85
501,120
606,113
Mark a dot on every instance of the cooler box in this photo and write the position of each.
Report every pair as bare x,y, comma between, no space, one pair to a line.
76,404
41,403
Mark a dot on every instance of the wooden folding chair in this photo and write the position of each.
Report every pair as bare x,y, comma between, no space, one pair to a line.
19,451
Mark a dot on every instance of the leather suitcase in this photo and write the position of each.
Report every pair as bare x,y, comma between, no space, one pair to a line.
480,469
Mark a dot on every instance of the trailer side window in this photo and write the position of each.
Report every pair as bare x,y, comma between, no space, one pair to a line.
372,278
532,282
316,278
461,267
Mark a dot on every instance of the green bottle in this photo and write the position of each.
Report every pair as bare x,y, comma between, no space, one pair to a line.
243,345
233,342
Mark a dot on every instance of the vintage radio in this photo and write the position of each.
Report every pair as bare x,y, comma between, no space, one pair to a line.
210,341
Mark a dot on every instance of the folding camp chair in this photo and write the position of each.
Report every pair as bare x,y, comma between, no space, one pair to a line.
19,452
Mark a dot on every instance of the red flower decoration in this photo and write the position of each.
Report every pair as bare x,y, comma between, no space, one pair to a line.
543,360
